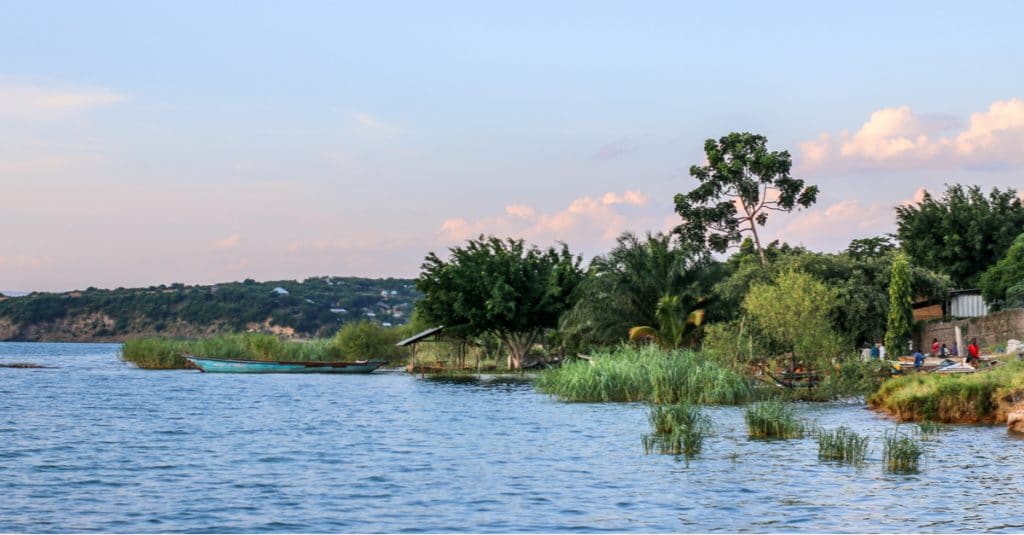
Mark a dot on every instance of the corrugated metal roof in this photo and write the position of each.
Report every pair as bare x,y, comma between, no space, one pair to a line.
417,337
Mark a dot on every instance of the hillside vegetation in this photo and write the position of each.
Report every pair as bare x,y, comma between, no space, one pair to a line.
313,307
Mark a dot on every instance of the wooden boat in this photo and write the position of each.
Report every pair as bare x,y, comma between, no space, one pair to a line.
215,365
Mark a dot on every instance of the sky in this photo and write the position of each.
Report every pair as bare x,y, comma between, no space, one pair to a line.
146,143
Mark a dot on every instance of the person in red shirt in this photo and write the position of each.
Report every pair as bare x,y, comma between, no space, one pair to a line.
973,353
935,347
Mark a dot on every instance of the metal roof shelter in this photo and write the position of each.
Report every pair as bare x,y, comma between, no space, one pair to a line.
967,304
421,336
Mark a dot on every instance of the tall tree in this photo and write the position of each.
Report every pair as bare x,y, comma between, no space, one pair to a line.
901,314
499,287
1003,283
740,184
962,233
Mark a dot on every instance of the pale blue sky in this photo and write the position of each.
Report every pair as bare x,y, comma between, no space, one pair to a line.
147,143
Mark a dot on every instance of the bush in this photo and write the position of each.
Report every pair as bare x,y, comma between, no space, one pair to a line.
366,340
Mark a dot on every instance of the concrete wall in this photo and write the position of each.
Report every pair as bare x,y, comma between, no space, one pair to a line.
993,329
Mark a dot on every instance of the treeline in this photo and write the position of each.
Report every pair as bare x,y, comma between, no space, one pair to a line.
313,307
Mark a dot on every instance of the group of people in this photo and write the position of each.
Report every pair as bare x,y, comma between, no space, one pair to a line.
973,356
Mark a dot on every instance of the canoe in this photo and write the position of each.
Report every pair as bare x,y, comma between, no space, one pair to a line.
214,365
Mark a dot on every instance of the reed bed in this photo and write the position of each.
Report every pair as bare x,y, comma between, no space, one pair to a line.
647,374
166,354
678,429
901,452
773,419
842,444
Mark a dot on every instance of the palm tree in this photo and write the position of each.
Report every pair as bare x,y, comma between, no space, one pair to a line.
648,282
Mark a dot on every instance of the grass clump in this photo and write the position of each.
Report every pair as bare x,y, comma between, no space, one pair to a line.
166,354
678,429
952,398
647,374
901,452
928,429
773,419
842,444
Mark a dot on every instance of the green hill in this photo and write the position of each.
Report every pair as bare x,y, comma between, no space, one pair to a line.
313,307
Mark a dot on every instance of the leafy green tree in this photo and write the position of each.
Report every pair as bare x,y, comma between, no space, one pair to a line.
366,340
640,282
740,184
499,287
962,233
793,311
901,314
861,281
1006,275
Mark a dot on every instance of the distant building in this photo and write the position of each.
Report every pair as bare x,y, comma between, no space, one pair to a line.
385,324
280,291
371,315
967,304
339,311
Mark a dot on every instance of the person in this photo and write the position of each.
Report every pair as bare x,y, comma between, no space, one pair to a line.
943,351
918,360
973,353
881,351
874,351
935,347
865,352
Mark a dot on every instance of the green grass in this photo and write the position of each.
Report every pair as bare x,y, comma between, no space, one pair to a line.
647,374
842,444
952,398
901,452
678,429
928,429
166,354
773,419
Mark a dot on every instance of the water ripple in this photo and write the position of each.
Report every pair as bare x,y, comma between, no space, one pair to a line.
95,446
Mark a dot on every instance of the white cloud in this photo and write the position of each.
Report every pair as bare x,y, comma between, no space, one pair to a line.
899,138
586,222
38,102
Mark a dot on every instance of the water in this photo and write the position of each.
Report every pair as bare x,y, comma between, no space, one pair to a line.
97,446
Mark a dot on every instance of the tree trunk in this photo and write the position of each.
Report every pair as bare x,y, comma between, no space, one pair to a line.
757,243
519,345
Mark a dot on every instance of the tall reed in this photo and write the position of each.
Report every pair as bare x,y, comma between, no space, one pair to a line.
928,429
773,419
678,429
647,374
842,444
900,452
162,353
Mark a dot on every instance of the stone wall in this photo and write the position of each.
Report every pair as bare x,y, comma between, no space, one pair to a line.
990,330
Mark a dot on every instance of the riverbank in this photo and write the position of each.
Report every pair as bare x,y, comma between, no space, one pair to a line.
986,397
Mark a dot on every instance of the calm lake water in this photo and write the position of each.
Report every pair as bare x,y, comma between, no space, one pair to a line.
94,445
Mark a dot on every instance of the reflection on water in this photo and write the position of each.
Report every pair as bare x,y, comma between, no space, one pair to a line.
94,445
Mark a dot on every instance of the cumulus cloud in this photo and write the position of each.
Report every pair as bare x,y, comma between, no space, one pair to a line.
38,102
588,221
899,138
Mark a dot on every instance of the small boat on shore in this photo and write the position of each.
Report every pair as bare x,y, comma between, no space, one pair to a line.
215,365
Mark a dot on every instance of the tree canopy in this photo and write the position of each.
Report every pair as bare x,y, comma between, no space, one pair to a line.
1003,283
740,184
501,287
962,233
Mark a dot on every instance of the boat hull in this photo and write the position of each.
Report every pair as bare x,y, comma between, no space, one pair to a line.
212,365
